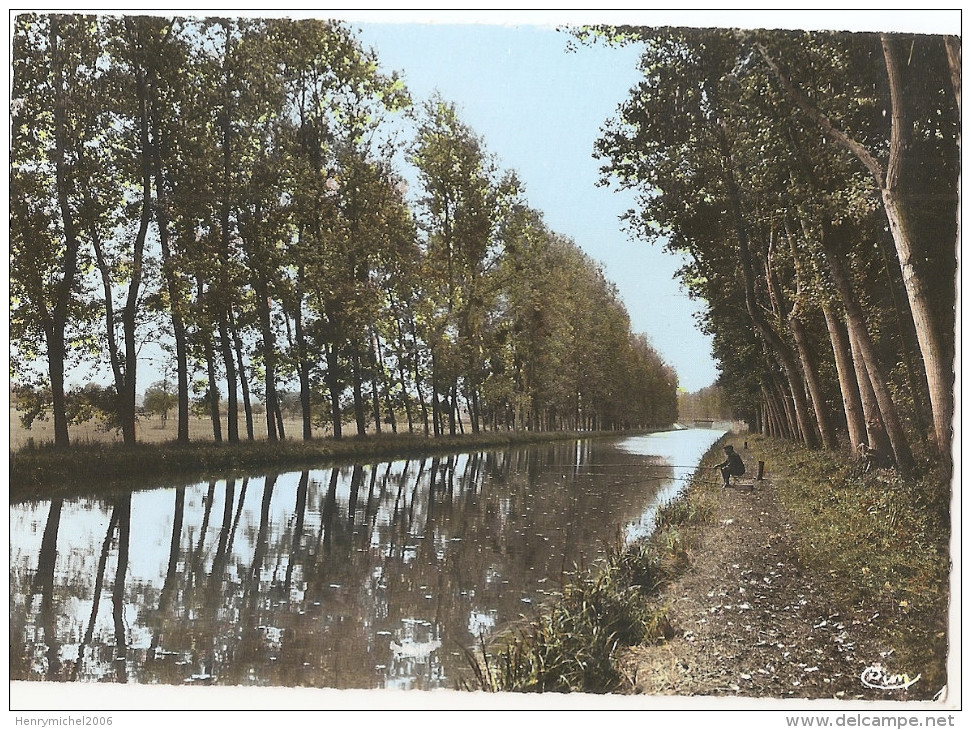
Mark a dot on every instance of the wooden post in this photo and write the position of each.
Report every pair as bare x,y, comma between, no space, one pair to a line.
761,470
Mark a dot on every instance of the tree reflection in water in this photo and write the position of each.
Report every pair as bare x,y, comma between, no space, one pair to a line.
365,576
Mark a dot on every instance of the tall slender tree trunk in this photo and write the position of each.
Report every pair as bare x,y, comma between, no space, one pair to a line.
804,348
860,338
875,433
278,415
416,366
375,379
56,323
334,388
780,349
918,386
179,331
170,276
400,347
243,380
784,403
303,366
937,367
453,405
357,389
386,379
849,386
217,432
225,287
130,311
436,407
206,336
269,355
229,362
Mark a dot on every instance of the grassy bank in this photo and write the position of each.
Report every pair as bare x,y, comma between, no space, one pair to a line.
40,472
878,542
877,545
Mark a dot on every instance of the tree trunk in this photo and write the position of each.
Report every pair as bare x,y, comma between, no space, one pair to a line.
849,386
875,431
269,355
334,387
303,368
938,370
805,350
126,398
453,405
436,406
170,275
860,337
416,366
278,415
243,380
217,432
939,373
918,389
180,334
386,380
57,324
787,412
232,404
780,349
357,389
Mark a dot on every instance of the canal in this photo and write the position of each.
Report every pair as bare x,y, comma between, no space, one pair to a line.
370,575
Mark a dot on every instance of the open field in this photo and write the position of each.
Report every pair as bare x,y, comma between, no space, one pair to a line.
150,430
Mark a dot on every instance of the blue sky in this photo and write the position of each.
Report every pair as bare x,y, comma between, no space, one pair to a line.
538,109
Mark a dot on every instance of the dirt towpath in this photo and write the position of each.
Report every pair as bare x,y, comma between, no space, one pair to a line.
750,622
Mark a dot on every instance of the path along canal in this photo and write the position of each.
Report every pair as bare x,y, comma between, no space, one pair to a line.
371,575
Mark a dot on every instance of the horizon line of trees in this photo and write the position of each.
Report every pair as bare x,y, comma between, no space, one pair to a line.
233,188
811,180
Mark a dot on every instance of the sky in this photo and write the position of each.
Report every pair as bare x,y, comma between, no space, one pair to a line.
539,110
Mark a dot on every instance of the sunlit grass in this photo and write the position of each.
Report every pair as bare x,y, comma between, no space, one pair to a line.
877,541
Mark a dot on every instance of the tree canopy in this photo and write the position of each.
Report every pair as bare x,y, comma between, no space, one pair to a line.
811,181
234,190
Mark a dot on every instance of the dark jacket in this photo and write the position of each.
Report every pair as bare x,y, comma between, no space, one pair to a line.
734,464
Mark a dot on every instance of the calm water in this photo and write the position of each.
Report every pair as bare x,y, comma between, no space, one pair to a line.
376,575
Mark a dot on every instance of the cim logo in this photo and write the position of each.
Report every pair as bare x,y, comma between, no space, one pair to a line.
876,677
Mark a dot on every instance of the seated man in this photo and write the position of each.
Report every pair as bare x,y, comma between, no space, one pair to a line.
733,466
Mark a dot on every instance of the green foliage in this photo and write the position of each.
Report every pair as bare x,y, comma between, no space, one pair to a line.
159,399
720,142
571,647
232,183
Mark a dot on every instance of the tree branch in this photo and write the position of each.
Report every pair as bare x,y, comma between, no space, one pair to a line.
828,128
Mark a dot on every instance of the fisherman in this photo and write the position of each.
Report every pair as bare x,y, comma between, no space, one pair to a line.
733,466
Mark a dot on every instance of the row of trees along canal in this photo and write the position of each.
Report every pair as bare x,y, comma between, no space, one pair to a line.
234,188
811,180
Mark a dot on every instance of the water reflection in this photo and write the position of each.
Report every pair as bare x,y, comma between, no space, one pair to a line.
364,576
